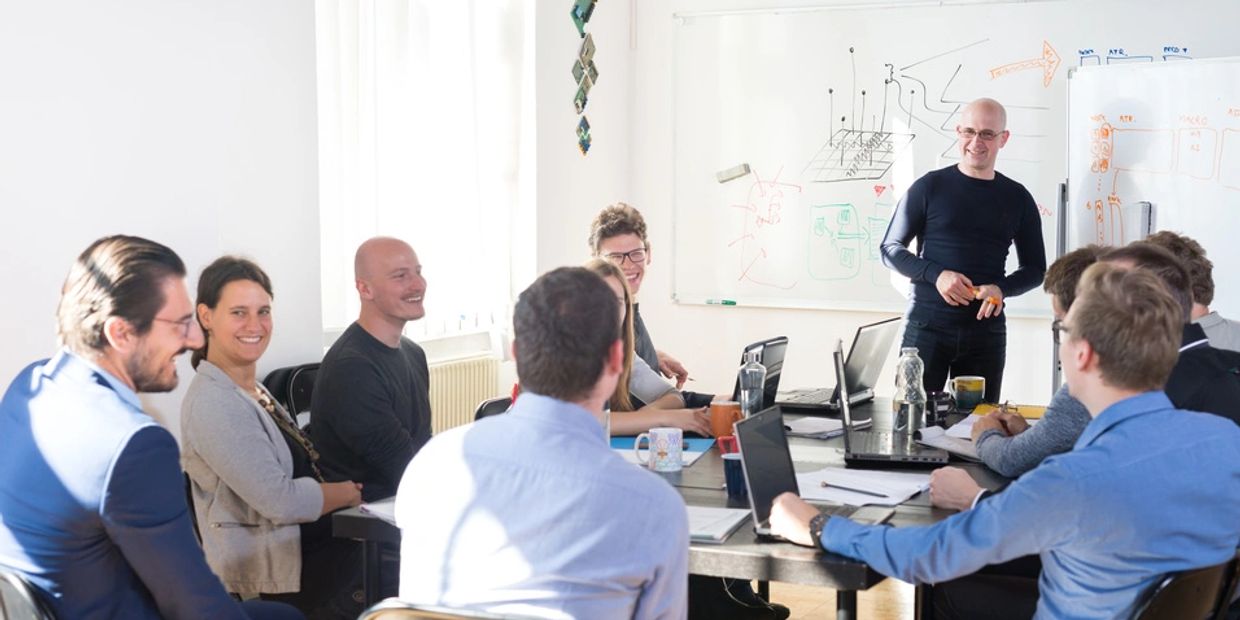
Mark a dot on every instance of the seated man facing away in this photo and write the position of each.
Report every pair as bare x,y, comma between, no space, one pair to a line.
531,512
1204,379
371,410
1223,333
1147,490
92,502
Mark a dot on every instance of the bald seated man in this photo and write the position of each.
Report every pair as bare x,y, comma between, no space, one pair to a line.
370,411
965,219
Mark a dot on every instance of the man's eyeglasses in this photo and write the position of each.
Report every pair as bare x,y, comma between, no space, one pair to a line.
1058,326
986,135
636,256
185,324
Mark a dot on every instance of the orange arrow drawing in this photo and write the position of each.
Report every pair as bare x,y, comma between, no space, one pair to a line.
1049,61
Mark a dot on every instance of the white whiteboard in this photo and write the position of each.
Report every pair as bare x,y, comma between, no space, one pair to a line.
1168,134
769,88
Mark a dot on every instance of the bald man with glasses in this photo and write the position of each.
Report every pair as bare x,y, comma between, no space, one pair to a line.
965,219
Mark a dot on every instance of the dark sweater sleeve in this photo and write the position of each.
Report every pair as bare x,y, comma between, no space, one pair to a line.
1030,252
908,223
364,418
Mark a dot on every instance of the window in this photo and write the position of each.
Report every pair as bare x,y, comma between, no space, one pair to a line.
425,134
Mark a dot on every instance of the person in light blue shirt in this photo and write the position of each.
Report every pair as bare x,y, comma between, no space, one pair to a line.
1147,490
531,513
92,503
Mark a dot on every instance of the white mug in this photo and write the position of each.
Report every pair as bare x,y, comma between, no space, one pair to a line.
665,449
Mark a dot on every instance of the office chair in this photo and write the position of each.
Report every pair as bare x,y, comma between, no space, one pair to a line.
21,601
293,386
396,609
1198,593
493,406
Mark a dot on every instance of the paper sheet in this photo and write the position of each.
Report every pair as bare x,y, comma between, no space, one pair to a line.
384,509
714,525
936,437
894,487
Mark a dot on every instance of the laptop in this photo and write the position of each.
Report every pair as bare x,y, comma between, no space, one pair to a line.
871,346
767,465
874,449
771,355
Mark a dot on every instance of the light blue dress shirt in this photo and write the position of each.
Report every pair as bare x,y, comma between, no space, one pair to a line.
92,502
532,513
1147,490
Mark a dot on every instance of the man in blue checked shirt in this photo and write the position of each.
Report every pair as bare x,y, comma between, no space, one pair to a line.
1147,490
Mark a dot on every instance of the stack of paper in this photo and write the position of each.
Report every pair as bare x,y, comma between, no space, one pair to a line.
818,428
936,437
714,525
858,487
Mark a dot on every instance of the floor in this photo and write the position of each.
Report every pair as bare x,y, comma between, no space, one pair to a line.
890,600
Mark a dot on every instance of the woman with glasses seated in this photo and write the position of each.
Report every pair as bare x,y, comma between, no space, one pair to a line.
643,400
262,503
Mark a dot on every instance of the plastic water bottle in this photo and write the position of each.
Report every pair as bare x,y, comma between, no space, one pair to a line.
751,376
909,405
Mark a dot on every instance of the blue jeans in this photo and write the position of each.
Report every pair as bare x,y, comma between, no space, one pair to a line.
978,348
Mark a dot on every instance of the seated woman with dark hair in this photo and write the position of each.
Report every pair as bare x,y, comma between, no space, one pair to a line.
262,503
643,400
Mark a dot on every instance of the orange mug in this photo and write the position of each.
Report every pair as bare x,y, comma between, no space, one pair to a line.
723,413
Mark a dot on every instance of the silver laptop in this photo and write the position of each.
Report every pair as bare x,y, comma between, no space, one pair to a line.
767,464
875,449
871,346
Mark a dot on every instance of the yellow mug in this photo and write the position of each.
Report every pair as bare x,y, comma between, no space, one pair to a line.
969,391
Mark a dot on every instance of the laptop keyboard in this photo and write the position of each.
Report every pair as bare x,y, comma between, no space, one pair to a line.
820,395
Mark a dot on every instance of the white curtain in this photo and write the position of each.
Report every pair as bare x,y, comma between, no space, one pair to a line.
423,111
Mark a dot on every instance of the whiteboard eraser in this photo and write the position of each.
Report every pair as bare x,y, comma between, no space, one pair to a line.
735,172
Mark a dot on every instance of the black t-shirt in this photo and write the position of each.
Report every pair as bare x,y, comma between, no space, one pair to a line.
370,411
1205,379
966,225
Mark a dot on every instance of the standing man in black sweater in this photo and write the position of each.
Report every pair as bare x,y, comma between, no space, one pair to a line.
370,411
965,218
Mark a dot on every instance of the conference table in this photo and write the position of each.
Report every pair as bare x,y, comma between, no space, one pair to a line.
742,556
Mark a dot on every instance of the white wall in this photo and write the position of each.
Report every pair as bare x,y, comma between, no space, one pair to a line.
192,123
707,339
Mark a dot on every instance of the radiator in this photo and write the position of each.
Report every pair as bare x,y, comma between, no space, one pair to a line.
457,386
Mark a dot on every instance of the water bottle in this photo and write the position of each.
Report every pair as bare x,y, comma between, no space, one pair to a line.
909,405
751,377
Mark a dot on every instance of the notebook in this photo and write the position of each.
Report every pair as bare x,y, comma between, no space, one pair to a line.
767,465
711,525
771,355
874,449
871,346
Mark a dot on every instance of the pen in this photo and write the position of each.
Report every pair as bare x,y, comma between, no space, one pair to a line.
861,491
720,302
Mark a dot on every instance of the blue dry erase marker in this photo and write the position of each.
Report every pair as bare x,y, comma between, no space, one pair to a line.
720,302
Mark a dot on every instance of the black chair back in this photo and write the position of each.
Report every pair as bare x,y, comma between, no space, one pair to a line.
21,601
1198,593
293,386
493,406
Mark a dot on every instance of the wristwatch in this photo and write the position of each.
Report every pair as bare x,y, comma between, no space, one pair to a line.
816,526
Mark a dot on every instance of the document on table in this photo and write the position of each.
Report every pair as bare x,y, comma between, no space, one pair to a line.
860,487
819,428
936,437
1028,412
964,428
384,509
713,525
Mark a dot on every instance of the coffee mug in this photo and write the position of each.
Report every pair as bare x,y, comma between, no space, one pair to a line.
723,413
665,449
734,475
969,391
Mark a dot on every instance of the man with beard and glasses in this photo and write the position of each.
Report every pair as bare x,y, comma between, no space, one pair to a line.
92,501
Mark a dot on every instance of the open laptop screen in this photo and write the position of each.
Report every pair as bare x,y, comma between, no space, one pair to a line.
770,355
766,460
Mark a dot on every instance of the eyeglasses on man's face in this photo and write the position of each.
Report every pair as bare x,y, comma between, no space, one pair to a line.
985,135
1058,326
185,324
637,257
